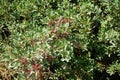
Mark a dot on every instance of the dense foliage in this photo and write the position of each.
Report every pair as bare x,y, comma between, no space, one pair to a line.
59,39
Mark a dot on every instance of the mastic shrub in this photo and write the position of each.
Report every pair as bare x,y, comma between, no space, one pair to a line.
60,39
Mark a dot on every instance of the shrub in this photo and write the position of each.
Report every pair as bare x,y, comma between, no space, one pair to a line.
61,39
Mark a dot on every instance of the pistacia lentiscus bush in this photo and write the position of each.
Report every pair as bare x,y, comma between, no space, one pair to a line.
60,39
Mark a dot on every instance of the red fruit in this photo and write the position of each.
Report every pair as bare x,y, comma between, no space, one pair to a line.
24,61
35,66
27,71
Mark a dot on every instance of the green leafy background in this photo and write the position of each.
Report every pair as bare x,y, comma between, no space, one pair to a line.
60,40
